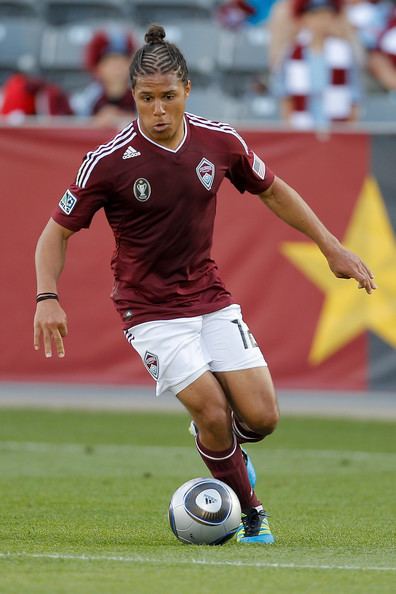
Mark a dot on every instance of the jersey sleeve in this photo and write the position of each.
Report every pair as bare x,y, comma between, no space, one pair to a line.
83,198
247,171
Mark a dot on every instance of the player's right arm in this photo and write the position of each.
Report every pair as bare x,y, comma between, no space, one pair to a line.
83,198
50,323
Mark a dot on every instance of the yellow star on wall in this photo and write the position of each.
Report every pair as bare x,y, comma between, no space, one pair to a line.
347,311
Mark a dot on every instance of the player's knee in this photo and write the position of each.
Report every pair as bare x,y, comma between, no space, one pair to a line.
264,422
215,421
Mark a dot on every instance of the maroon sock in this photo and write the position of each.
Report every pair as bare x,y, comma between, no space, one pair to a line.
244,435
229,466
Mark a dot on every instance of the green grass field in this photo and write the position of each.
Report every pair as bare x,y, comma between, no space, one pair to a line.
84,498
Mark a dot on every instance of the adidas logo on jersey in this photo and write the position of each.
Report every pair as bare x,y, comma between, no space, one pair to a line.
130,153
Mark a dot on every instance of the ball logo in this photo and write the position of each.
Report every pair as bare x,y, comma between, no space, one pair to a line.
209,500
142,189
206,173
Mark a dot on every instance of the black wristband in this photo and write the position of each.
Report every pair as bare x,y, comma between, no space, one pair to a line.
44,296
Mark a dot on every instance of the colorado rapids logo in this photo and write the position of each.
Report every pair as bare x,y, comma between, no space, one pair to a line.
206,173
142,189
151,363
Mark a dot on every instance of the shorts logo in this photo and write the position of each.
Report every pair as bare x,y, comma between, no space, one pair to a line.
67,202
142,189
206,173
258,166
151,363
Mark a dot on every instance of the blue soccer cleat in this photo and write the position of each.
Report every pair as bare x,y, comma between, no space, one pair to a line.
254,528
250,469
248,462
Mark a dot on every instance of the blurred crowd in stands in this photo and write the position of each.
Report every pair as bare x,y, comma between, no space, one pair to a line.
321,61
107,100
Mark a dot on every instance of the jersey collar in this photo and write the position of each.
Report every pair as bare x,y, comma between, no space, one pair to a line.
177,149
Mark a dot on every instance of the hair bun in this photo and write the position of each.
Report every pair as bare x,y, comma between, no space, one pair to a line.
155,34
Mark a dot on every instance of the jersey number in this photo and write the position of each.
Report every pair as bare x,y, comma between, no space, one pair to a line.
249,342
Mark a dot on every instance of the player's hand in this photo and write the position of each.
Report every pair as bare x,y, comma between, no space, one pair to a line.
346,264
50,327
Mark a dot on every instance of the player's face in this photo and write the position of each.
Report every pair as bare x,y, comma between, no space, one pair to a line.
160,102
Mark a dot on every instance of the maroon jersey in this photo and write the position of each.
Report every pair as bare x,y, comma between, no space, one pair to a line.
161,204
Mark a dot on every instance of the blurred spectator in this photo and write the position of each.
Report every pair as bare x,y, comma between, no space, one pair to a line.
234,14
261,11
108,98
24,95
368,17
382,60
318,81
282,29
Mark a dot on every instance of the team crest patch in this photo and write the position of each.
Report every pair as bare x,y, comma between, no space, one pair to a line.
142,189
151,363
206,173
67,202
258,166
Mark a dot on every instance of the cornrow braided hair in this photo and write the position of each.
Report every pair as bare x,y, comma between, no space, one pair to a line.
158,56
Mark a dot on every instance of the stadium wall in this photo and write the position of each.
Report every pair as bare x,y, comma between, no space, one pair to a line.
316,332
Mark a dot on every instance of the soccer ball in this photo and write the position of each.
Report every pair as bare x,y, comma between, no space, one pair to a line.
204,511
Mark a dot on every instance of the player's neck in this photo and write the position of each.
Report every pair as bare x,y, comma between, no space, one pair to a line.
171,143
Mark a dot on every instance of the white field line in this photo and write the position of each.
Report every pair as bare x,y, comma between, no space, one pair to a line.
193,561
74,448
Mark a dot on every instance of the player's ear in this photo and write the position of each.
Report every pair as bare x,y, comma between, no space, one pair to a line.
187,88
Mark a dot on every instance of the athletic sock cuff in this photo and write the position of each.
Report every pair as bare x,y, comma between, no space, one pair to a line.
213,454
244,435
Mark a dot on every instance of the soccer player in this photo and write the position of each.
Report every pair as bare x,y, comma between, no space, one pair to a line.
157,181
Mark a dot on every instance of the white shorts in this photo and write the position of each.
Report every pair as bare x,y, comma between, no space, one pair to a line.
177,352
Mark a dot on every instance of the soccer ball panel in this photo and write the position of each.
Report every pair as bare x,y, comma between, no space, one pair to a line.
204,511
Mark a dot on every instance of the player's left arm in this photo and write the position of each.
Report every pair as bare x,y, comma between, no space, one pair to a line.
289,206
